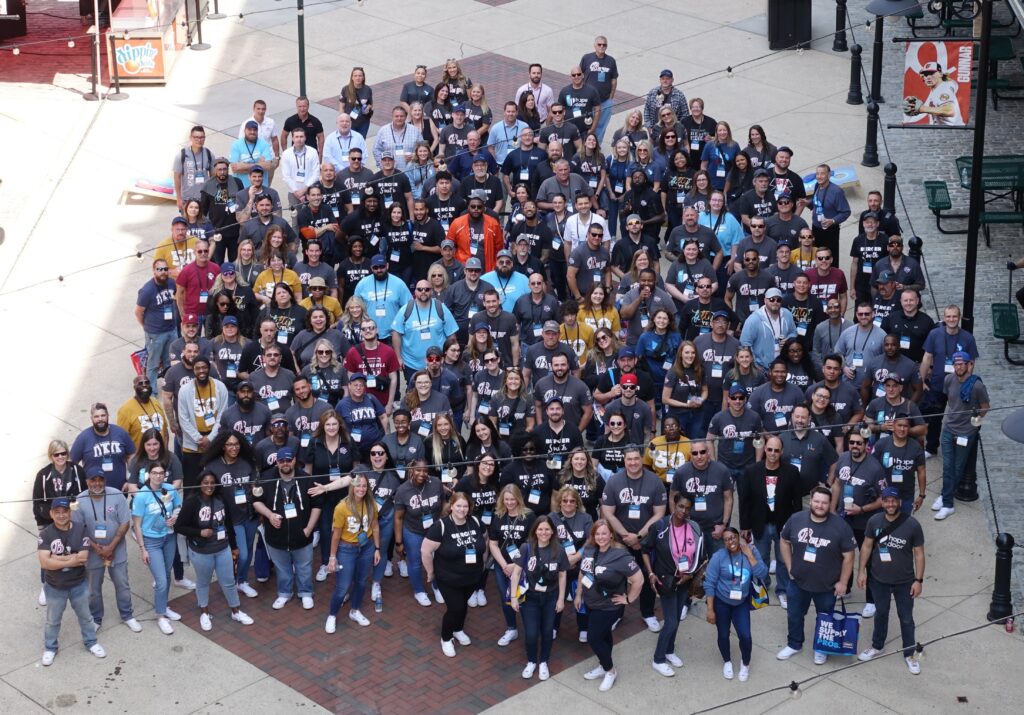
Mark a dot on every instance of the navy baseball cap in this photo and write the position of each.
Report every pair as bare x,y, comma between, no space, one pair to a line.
285,454
60,503
890,492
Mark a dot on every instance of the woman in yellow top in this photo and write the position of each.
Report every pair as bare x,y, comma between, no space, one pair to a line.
355,549
275,272
598,309
667,451
577,335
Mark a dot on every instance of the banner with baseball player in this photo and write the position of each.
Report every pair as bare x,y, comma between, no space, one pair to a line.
937,83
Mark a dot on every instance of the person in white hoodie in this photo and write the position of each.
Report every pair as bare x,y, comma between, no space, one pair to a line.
767,328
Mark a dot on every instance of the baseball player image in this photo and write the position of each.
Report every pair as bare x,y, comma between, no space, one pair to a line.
941,106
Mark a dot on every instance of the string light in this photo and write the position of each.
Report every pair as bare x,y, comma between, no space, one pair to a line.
728,72
865,431
15,51
71,43
794,690
976,419
138,255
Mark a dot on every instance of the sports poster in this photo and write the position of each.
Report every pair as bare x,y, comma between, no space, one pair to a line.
937,83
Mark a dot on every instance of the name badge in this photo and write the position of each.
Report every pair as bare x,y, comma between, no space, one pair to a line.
524,174
780,419
721,172
796,462
884,555
961,441
701,504
716,370
394,256
534,497
356,199
667,365
866,266
810,554
949,366
240,496
424,430
904,342
858,360
203,297
694,144
470,555
231,370
540,587
684,563
168,313
897,477
634,511
361,538
425,335
577,112
334,474
587,580
428,521
879,391
801,329
272,403
513,551
99,531
354,113
380,311
448,475
569,547
371,381
282,337
290,512
300,174
222,533
592,182
737,446
735,594
598,275
619,187
487,517
108,464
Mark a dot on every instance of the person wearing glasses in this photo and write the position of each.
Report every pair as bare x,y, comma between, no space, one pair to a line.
194,284
601,72
155,510
860,344
377,362
426,322
558,131
768,327
339,144
907,270
828,281
588,264
751,285
156,311
731,437
868,249
829,209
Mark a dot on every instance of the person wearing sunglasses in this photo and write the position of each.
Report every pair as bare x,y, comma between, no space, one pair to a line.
709,482
868,249
747,288
155,311
194,284
827,281
767,328
860,344
731,434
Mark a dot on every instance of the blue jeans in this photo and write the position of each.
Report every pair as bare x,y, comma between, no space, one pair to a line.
538,612
690,421
386,526
710,409
56,600
414,559
354,564
325,526
261,563
245,535
799,603
904,612
764,547
122,591
671,604
954,462
602,121
161,554
158,352
205,566
293,566
503,582
739,617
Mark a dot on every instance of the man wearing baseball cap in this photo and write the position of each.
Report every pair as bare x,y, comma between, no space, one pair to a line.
384,295
63,552
509,283
768,328
967,402
638,414
664,94
892,564
178,250
249,151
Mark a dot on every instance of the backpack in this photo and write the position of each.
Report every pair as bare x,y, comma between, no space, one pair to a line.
437,306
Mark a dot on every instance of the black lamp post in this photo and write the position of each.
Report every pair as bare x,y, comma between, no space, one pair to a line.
882,9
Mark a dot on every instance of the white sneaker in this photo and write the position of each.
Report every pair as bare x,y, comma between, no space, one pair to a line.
594,674
448,648
608,682
279,602
653,625
674,660
529,670
683,613
944,512
133,625
543,673
783,601
913,664
437,596
868,654
481,598
472,600
48,656
422,598
771,567
928,455
374,591
727,670
97,650
205,622
583,637
462,638
332,624
869,610
307,602
937,504
248,590
358,618
165,626
820,658
321,574
242,617
389,570
744,673
554,635
786,653
663,668
403,569
172,615
42,602
185,583
510,635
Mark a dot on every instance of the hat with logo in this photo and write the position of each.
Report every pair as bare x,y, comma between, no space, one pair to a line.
893,377
227,267
551,326
885,277
278,418
60,503
720,314
626,352
190,319
285,454
890,492
772,293
179,219
251,125
736,389
481,326
447,243
387,154
317,282
378,260
230,320
504,253
474,263
629,378
961,356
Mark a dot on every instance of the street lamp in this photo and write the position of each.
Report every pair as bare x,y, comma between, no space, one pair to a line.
882,9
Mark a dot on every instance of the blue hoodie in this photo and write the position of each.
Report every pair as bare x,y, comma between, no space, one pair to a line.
763,336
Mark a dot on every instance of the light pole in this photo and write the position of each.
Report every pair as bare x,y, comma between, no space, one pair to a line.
300,13
882,9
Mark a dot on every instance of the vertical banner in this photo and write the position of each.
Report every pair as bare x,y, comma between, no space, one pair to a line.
937,83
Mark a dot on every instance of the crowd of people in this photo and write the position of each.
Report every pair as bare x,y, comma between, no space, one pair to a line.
505,351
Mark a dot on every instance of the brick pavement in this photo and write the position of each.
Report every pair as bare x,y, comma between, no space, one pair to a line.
393,666
930,154
40,64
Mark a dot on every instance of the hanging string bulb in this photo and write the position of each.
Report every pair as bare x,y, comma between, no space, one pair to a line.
127,36
794,690
976,419
865,431
60,280
71,43
15,51
758,442
728,73
138,254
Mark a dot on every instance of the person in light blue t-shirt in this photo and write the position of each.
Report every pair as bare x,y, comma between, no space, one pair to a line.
384,295
423,323
155,510
250,151
510,283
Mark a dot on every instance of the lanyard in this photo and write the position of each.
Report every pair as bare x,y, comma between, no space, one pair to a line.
866,338
197,163
672,535
158,500
92,503
344,148
287,494
394,140
252,151
301,168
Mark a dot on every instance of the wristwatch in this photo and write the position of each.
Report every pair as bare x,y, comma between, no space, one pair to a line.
919,580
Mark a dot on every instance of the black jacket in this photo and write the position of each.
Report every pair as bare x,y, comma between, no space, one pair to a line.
753,496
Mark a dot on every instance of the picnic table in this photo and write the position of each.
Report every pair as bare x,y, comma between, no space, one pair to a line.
1002,178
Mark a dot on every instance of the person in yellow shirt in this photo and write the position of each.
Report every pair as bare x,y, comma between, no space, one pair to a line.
142,412
667,451
598,309
318,297
578,336
179,250
355,549
275,273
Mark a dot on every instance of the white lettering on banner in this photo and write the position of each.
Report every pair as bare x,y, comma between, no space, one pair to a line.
806,536
963,74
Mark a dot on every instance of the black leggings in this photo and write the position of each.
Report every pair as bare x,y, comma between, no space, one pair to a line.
456,603
599,634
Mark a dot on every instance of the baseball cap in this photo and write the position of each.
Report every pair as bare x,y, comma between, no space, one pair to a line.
761,172
553,398
736,389
522,237
889,492
784,196
720,314
378,260
60,503
665,73
885,277
551,326
227,267
178,219
317,282
244,384
387,155
931,67
278,417
479,158
229,320
869,214
447,243
479,194
434,350
634,217
785,149
893,377
772,293
356,376
481,326
629,379
251,125
504,253
474,263
458,108
285,453
221,160
626,352
256,169
961,356
190,319
95,473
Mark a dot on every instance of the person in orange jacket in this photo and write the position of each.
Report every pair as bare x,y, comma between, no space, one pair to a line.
459,233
